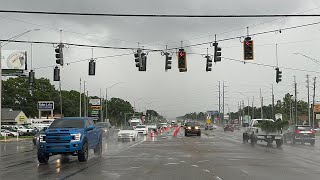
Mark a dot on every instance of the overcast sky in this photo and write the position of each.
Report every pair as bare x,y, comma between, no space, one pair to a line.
172,93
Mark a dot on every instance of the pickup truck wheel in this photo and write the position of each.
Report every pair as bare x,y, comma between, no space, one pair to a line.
245,138
43,158
84,153
253,140
312,143
279,142
98,149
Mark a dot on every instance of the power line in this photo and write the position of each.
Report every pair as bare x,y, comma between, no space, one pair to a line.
254,34
159,15
268,65
68,31
73,44
238,29
82,60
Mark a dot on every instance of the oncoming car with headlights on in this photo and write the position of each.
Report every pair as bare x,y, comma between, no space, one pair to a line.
192,128
127,133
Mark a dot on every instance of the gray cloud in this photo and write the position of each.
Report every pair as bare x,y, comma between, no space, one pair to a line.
174,93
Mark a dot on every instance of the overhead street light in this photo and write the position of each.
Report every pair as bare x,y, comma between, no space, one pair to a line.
1,45
107,98
19,35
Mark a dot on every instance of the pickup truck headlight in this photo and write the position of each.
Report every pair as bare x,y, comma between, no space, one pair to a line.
197,127
42,138
188,127
76,137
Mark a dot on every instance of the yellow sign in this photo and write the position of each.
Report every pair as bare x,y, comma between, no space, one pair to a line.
316,108
208,121
95,107
22,118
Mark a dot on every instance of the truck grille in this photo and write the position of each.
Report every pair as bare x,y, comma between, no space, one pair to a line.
58,138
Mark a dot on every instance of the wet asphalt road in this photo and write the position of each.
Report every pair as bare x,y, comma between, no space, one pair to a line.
214,155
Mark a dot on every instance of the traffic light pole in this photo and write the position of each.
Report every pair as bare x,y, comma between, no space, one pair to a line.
0,86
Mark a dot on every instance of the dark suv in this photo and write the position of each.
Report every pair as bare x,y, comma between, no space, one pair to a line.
300,133
192,128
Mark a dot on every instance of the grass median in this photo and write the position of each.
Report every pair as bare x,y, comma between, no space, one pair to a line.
12,137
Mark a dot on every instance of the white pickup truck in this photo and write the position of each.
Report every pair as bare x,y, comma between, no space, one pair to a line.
254,133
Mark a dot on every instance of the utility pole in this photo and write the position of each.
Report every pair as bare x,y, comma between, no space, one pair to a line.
261,99
84,99
87,103
291,113
314,99
101,114
295,99
80,100
219,105
308,87
223,101
106,104
248,107
60,97
252,108
272,103
0,86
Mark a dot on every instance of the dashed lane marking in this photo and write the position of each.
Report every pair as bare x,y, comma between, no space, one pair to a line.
194,165
171,164
202,161
206,170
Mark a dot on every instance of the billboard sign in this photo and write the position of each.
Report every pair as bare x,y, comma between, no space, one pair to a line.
95,102
13,59
45,105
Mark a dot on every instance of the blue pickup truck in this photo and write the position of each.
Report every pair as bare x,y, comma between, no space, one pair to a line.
70,136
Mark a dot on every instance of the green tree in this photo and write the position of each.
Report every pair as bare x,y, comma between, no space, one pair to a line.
19,95
117,108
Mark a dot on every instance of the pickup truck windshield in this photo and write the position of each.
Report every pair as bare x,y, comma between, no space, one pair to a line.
60,123
141,127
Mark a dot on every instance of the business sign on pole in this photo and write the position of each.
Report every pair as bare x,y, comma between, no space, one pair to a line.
317,107
45,105
95,102
13,62
278,116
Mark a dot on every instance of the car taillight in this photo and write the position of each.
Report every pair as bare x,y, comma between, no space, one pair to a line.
297,131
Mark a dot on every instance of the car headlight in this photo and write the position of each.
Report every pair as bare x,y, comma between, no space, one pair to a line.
42,138
197,127
76,137
189,127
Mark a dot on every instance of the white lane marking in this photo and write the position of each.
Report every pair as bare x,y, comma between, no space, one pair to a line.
206,170
171,164
218,178
244,171
182,161
135,167
171,158
202,161
233,159
194,165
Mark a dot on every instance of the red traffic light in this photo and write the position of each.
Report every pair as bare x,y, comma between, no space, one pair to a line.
182,54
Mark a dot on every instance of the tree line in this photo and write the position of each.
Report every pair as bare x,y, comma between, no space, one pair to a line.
18,94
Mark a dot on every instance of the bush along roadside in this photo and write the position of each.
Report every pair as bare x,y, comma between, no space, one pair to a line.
270,126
